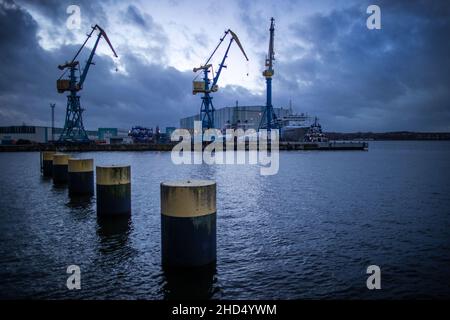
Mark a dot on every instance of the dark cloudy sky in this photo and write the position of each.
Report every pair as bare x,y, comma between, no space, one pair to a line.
327,61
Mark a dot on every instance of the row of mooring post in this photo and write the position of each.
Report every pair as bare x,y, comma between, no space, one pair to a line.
188,208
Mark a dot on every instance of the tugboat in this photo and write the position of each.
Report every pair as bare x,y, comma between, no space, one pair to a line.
315,133
315,139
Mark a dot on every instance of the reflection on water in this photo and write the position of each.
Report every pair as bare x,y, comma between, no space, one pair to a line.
113,228
189,283
113,232
80,201
309,231
59,187
44,178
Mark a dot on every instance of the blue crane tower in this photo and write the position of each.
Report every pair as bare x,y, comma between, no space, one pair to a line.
73,126
268,115
207,86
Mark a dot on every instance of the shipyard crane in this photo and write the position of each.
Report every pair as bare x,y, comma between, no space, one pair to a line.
269,115
73,126
207,86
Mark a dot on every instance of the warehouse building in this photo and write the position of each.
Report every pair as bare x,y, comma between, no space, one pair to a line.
245,117
34,134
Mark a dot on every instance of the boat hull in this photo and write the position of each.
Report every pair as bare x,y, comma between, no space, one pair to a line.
293,133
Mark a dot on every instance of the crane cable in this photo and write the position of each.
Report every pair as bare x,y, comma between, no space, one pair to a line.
234,37
79,50
212,54
64,72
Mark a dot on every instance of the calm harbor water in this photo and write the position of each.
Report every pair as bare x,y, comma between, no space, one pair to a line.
308,232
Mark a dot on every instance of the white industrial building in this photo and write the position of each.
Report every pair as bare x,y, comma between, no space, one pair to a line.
245,117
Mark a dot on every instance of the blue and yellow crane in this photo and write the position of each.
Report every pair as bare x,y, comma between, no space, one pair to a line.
268,119
73,126
207,86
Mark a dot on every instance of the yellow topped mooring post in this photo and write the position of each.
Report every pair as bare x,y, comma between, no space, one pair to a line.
188,223
81,176
113,190
47,163
60,168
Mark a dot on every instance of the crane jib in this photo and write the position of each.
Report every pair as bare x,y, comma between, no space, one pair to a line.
103,33
206,86
73,63
71,84
235,37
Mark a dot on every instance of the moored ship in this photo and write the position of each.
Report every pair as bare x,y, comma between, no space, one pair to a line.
293,127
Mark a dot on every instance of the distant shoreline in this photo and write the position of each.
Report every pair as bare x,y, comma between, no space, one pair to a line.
389,136
345,137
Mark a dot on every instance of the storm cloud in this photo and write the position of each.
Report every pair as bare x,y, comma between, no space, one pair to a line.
396,78
328,63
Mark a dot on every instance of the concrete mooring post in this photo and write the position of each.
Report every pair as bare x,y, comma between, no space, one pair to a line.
113,190
188,223
47,163
60,168
81,176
